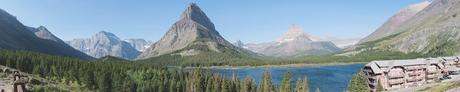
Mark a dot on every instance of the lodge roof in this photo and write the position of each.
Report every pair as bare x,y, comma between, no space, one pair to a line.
377,65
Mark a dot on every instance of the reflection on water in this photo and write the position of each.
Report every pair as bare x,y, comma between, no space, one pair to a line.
327,78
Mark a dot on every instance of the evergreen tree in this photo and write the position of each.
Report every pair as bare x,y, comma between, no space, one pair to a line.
105,83
248,85
265,84
302,85
131,76
89,80
358,83
286,83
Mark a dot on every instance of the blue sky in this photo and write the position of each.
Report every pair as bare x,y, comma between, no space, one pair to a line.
246,20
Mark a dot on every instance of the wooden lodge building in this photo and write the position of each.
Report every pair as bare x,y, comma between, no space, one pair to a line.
394,74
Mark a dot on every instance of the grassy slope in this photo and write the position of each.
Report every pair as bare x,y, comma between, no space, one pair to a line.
441,87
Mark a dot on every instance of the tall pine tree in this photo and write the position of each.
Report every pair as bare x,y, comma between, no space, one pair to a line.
286,82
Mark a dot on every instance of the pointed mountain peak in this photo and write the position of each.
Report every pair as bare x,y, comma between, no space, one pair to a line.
43,30
40,31
191,35
43,33
294,33
194,13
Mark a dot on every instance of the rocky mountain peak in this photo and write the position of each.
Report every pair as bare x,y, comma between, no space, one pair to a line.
16,36
105,43
109,37
294,33
294,43
194,13
43,33
192,34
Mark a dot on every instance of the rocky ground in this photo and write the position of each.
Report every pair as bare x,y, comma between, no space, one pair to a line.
454,90
6,82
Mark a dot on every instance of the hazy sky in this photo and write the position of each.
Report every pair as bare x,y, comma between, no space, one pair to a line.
246,20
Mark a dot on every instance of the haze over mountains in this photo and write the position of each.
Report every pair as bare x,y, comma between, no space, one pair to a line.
108,44
294,43
15,36
432,31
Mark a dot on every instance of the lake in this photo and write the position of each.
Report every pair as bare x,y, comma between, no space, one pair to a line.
327,78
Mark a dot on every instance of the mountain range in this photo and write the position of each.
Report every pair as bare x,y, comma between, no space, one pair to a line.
429,28
432,31
16,36
294,43
108,44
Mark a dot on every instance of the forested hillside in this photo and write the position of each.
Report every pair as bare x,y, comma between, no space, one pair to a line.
134,76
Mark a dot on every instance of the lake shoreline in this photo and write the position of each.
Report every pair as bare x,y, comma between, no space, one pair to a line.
278,66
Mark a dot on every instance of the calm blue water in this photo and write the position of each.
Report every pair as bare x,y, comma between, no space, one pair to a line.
326,78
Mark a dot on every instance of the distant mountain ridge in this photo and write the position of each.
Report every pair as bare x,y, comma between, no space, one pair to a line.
15,36
294,43
434,31
105,44
139,44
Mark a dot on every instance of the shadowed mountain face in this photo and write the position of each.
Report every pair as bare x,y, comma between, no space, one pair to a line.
390,27
193,34
15,36
105,44
294,43
432,31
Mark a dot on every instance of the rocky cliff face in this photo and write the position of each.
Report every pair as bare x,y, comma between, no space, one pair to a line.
294,43
139,44
432,31
390,27
105,44
192,34
15,36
